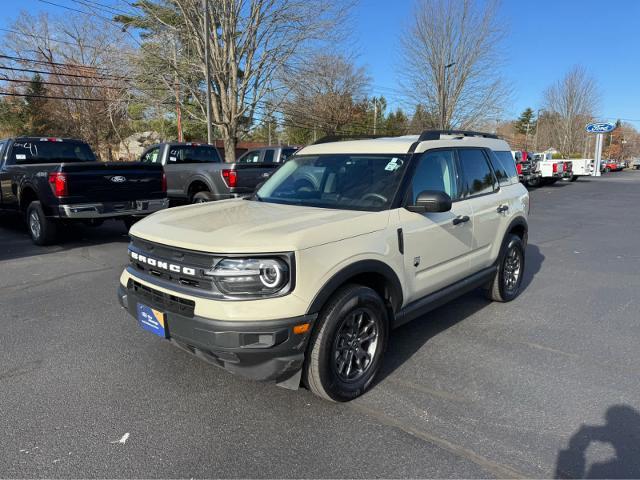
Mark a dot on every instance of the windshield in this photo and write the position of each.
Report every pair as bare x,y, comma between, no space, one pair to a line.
340,181
50,151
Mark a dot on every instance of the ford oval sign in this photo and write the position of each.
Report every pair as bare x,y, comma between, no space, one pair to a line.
600,127
118,179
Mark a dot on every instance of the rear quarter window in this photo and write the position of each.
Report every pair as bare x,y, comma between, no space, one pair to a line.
504,167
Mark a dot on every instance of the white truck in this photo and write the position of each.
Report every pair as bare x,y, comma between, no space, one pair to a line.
551,170
579,167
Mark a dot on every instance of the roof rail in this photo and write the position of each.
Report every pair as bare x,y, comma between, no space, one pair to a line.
339,138
435,134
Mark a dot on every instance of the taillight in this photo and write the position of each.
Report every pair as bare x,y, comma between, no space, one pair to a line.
519,168
565,166
58,182
230,177
164,182
555,168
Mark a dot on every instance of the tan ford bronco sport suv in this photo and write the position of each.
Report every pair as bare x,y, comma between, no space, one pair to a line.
304,281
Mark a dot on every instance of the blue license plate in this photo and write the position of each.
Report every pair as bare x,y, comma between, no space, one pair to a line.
152,320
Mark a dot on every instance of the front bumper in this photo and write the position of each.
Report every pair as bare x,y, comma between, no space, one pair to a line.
265,350
112,209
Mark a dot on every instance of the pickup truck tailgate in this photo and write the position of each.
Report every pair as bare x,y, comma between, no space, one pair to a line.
112,182
249,175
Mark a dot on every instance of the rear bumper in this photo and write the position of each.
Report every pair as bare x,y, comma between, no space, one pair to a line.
112,209
265,350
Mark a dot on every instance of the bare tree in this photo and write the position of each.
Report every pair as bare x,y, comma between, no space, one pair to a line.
571,102
327,95
84,66
451,54
251,41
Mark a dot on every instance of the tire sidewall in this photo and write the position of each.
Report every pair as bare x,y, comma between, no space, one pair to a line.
511,242
339,390
206,196
34,207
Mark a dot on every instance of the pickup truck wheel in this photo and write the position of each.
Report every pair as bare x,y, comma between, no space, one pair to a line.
129,221
202,197
505,286
346,349
534,182
43,230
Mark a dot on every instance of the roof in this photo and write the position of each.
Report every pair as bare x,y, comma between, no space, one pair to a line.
402,144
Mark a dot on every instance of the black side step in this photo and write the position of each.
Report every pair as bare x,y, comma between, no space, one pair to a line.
445,295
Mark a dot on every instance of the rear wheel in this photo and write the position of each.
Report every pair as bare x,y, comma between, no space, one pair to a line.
129,222
202,197
43,230
348,343
534,182
505,286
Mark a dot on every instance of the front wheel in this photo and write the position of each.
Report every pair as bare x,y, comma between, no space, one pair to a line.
348,344
43,230
505,286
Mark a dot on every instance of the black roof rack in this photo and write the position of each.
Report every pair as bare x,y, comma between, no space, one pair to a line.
435,134
340,138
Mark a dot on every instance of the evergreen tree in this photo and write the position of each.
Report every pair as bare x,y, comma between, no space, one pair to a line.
36,118
396,123
526,118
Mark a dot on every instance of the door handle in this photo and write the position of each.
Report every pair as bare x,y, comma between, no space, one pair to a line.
460,219
502,208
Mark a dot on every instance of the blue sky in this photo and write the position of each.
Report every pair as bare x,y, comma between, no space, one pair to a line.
545,38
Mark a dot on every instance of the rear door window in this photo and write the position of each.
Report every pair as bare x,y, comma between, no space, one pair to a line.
477,177
193,154
268,156
504,167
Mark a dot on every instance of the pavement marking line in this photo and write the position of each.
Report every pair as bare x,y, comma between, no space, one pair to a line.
500,471
54,279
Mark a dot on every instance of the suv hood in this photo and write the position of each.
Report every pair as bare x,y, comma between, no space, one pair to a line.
241,226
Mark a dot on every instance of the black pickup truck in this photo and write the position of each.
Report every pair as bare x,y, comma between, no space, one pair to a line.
196,173
52,181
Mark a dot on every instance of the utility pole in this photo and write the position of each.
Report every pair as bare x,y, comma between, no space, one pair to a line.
526,136
375,114
205,7
535,139
269,124
443,108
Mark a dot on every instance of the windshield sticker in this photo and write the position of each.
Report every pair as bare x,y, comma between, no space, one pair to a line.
21,156
172,159
393,165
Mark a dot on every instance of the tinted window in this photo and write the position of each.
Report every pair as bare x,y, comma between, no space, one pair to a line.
151,155
504,168
193,154
436,171
268,156
43,151
477,177
286,153
250,157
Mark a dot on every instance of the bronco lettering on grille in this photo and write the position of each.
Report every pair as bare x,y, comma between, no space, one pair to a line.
161,264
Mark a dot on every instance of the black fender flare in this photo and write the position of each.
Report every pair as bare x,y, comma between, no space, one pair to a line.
516,222
198,177
358,268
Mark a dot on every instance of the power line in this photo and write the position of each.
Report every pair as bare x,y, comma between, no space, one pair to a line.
59,64
74,75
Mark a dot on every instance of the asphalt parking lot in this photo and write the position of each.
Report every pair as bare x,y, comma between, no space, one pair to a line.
546,385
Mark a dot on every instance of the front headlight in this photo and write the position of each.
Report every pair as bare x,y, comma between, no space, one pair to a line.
242,277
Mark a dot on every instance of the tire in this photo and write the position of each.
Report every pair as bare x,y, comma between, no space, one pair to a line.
503,288
129,222
573,178
202,197
535,182
43,230
607,170
335,377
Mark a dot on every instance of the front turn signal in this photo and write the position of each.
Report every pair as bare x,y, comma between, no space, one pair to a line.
302,328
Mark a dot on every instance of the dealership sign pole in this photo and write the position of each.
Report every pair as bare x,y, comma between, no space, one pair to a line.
599,128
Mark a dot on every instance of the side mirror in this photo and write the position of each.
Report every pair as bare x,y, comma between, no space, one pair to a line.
431,201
